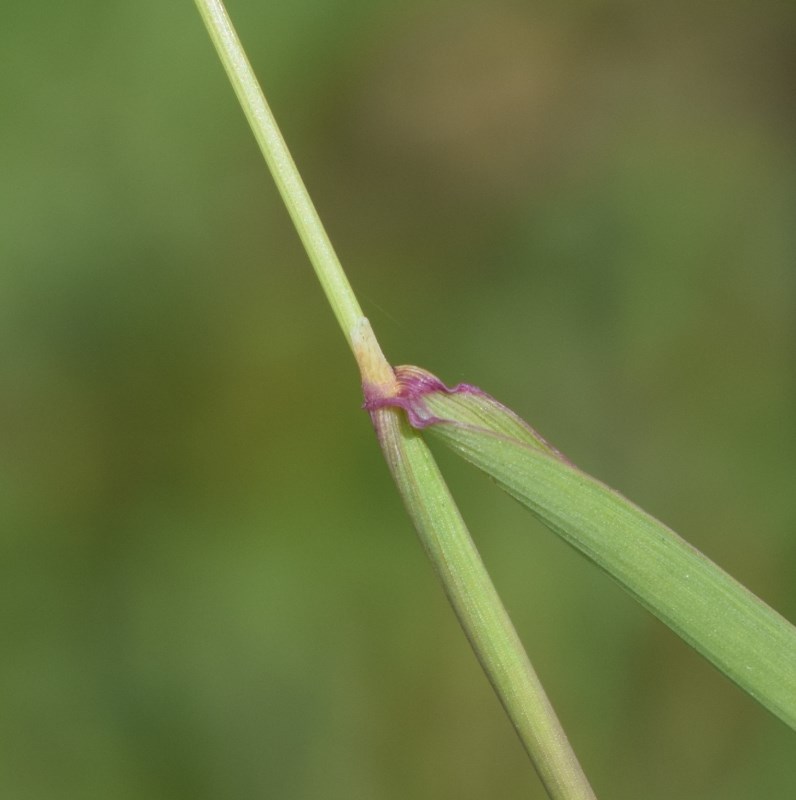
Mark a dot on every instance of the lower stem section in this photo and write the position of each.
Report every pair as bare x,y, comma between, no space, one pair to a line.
478,607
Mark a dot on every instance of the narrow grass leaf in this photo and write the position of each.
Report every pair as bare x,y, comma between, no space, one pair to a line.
746,639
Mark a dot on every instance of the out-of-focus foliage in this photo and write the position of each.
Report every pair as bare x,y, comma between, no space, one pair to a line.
208,586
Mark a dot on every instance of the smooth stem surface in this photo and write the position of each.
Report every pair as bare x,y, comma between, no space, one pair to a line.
467,584
294,194
482,615
425,494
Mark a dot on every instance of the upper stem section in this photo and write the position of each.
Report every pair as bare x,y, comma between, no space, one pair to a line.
294,194
378,377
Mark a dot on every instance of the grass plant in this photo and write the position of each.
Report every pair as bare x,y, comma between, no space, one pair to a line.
747,640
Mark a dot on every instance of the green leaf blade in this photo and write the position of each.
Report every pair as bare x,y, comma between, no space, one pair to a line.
746,639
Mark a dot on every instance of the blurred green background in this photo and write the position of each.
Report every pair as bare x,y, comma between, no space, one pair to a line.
208,587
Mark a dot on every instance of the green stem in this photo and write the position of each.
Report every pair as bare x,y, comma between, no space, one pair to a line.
467,584
294,194
477,605
433,511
